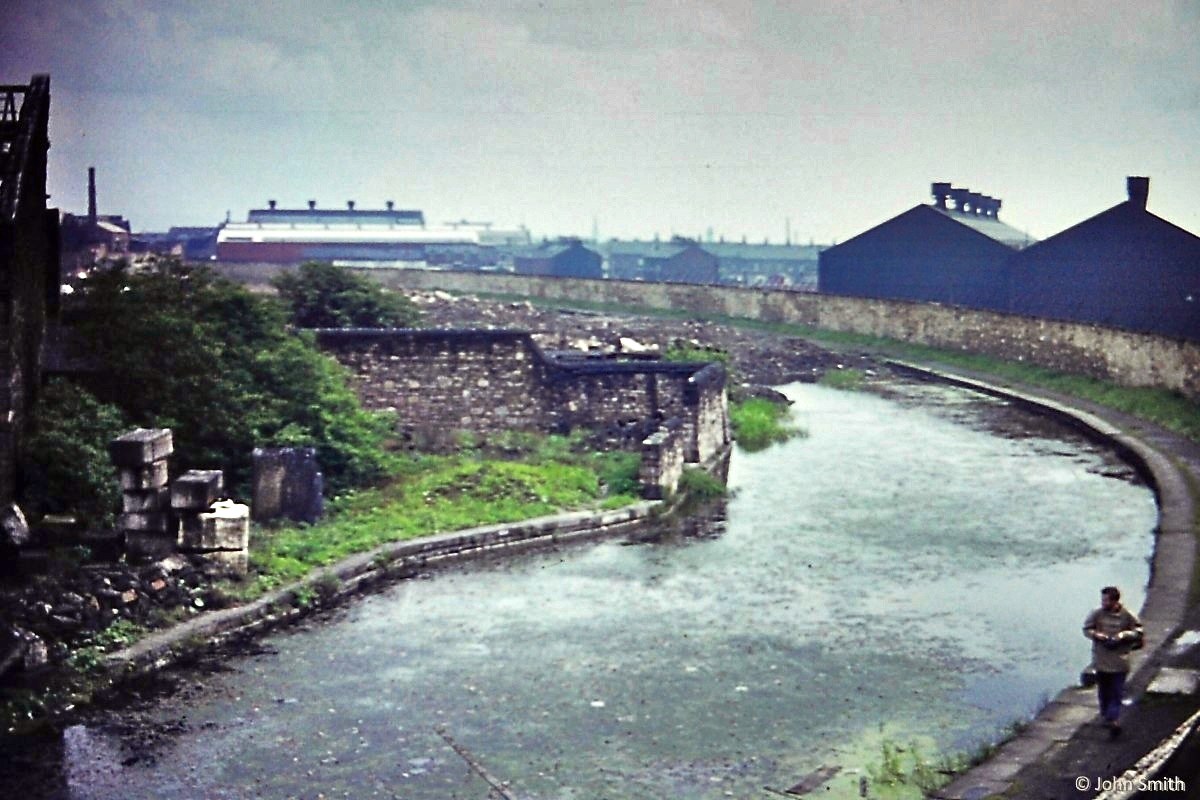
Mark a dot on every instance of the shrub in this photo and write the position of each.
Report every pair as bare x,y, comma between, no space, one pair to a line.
324,296
65,460
758,423
186,350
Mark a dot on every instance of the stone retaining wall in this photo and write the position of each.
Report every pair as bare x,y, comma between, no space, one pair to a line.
1123,357
440,382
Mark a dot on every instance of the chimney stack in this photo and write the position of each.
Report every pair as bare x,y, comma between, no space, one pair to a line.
92,216
312,205
976,201
1139,190
390,205
350,205
271,204
941,191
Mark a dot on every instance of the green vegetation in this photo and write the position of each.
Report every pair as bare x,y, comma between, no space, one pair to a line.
184,349
324,296
903,771
65,458
691,354
699,485
431,494
758,423
850,380
117,635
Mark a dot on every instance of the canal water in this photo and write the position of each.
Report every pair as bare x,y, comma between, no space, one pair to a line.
912,573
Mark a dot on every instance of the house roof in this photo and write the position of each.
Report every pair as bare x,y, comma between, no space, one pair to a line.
990,227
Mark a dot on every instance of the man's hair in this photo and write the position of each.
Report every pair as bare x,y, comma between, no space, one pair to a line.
1111,591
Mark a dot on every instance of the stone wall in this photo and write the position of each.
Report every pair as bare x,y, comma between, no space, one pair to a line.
488,381
1123,357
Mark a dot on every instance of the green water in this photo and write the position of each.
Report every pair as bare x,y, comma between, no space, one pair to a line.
901,574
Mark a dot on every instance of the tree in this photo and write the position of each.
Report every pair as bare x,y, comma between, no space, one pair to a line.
64,461
324,296
184,349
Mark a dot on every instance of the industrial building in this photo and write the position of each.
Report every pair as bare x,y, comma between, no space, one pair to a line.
679,260
564,258
1123,268
387,236
955,254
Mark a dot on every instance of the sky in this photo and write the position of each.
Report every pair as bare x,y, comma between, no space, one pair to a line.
630,118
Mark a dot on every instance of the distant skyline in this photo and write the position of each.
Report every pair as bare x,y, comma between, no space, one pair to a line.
745,118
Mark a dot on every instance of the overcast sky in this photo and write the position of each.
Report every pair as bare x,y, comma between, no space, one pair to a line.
638,117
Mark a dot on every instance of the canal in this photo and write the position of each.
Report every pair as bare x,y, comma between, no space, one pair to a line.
912,573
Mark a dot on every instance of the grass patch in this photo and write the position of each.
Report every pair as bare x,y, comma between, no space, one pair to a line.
759,423
434,494
850,380
699,485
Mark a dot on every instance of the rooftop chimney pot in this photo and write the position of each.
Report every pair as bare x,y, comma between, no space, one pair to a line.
1139,190
940,191
350,205
390,205
312,205
271,204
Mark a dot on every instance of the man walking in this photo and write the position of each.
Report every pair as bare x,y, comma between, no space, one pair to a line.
1115,631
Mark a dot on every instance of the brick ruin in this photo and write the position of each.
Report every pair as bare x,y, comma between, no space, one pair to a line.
441,382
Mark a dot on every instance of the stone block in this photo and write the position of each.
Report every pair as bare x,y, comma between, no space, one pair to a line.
147,476
226,527
197,489
140,447
145,521
145,501
287,483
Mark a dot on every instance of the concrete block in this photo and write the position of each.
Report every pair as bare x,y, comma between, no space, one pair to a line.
147,476
139,501
226,527
287,483
145,521
197,489
141,446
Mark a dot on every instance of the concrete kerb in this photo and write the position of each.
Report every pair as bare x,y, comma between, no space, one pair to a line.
1162,612
349,576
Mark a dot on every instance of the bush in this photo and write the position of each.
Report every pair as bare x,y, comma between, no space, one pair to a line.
186,350
324,296
758,423
64,460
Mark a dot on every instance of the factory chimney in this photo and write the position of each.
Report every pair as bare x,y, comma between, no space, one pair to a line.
941,191
92,196
1139,190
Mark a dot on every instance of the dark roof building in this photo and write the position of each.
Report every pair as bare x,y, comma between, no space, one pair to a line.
1124,268
930,253
679,260
566,258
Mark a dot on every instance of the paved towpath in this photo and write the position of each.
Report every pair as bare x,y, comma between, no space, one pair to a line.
1064,753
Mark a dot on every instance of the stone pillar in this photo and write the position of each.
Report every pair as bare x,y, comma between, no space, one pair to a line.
145,520
287,483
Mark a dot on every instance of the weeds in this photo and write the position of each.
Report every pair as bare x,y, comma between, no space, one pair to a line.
759,423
